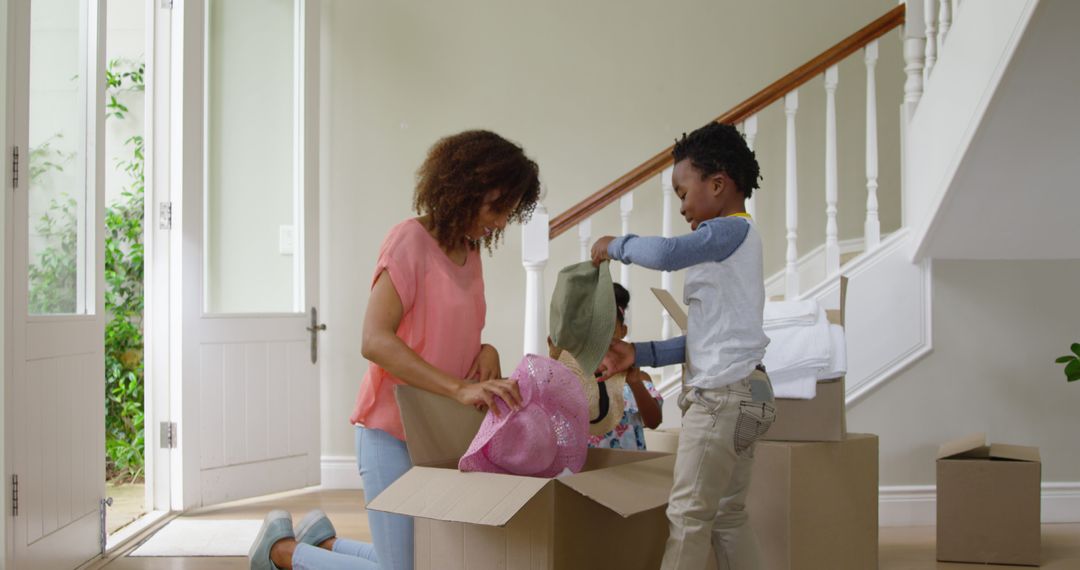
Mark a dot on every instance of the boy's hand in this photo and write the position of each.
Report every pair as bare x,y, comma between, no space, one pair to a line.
599,250
620,357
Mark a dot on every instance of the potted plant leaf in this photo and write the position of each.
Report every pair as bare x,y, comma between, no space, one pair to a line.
1072,363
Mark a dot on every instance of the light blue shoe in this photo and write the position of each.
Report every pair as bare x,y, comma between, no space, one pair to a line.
315,528
276,526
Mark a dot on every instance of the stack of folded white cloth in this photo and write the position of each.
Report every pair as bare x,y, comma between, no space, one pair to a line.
803,349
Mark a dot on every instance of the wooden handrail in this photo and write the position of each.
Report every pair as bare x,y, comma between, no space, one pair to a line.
748,108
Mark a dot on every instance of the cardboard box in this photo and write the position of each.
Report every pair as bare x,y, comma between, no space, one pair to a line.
665,440
483,520
823,418
988,502
812,505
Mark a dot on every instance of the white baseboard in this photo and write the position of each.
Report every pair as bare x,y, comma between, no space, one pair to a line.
916,505
340,472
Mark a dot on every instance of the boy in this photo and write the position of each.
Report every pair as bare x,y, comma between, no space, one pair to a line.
727,399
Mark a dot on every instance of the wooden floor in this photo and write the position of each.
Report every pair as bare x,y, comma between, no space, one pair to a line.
901,548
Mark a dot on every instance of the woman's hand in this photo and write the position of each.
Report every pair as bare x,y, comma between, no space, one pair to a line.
486,365
599,249
484,393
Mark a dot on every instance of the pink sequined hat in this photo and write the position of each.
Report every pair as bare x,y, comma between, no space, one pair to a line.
548,434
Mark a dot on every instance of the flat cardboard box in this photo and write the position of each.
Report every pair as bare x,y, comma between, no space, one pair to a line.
812,505
823,418
988,502
483,520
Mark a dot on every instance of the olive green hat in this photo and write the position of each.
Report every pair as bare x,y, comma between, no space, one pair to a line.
582,315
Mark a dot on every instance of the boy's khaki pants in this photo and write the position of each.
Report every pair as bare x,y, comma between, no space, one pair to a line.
712,475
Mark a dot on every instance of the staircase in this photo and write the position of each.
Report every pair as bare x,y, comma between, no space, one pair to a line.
944,100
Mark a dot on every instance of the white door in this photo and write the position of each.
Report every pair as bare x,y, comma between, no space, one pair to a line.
54,406
248,213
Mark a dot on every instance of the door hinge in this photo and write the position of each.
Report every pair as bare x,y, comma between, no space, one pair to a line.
14,495
165,216
168,435
103,536
14,168
167,4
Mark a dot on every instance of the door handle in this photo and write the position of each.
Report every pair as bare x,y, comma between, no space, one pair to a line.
314,330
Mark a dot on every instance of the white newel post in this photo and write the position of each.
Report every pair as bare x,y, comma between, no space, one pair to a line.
872,226
832,244
750,130
626,207
945,18
930,23
534,257
584,236
668,191
791,201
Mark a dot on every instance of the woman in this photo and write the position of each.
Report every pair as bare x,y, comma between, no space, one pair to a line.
422,327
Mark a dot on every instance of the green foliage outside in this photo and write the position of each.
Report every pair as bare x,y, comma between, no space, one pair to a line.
53,272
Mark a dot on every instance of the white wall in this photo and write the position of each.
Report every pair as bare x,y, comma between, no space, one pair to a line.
998,326
590,90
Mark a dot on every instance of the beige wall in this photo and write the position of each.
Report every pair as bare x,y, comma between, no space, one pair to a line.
3,267
590,89
998,326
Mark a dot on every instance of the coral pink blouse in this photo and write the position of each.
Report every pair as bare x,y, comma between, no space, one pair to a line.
444,312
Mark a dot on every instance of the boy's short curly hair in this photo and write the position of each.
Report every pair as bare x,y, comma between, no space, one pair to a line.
457,175
720,147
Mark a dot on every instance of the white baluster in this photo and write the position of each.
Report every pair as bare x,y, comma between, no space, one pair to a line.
930,21
584,236
872,227
750,130
945,24
534,257
914,46
791,202
832,244
626,207
668,191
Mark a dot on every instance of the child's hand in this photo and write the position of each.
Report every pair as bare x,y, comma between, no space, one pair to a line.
486,366
599,249
620,357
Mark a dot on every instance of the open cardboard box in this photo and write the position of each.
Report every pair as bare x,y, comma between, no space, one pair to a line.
485,520
823,418
988,502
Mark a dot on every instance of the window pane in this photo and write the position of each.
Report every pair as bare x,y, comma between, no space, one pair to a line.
250,151
57,158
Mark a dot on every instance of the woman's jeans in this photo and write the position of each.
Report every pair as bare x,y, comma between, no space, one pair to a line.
382,459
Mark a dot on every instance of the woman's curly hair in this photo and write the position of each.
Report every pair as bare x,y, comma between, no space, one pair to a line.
458,173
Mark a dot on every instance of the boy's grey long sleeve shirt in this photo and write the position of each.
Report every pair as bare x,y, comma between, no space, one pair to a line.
713,241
